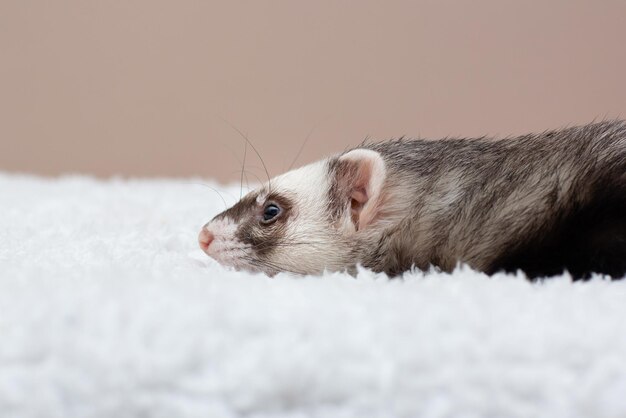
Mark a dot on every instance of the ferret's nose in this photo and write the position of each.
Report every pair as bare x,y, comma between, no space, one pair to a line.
205,239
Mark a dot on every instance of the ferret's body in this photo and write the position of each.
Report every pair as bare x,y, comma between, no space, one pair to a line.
539,203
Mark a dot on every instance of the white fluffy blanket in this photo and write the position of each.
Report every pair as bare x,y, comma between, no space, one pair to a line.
109,309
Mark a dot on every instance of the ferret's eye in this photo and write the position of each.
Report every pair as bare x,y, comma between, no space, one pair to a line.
270,212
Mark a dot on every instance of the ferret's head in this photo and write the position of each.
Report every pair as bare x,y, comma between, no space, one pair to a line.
304,221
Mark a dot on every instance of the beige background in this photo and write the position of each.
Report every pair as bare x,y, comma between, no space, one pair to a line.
143,88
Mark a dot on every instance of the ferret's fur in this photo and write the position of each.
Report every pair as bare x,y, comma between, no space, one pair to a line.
543,204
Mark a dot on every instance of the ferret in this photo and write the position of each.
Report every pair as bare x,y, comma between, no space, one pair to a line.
543,203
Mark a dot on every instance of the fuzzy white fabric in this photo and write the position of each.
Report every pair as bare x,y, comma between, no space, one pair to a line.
109,309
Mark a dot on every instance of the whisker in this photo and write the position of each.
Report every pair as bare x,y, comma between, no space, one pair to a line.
215,190
243,166
246,173
263,245
230,150
301,148
254,149
276,267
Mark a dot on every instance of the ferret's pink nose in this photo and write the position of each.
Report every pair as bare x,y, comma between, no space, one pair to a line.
205,239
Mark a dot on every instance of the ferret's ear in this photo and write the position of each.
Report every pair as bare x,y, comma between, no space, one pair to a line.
360,177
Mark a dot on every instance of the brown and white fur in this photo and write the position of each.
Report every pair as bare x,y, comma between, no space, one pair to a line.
541,203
